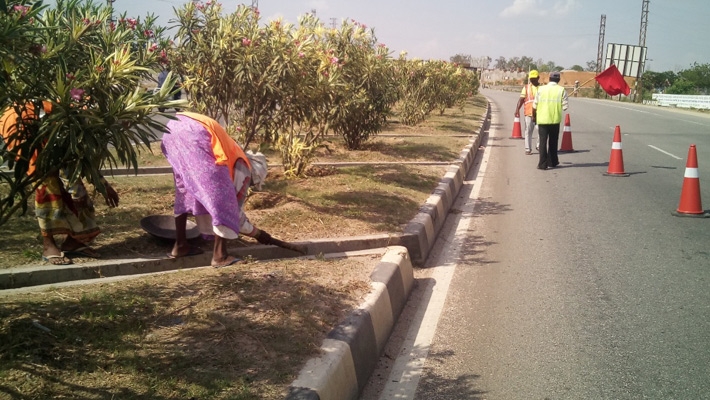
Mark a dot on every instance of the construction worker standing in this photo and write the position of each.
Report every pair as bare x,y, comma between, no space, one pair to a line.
550,102
527,96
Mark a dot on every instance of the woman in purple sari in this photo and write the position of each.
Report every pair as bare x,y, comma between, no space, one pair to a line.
212,176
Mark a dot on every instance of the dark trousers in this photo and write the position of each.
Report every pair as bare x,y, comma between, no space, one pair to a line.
549,135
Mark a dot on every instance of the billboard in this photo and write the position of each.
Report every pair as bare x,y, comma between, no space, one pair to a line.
629,59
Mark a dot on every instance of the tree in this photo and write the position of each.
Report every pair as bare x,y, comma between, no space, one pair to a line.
461,59
228,66
514,64
367,88
501,63
577,68
655,82
699,76
591,66
682,86
90,70
527,63
429,85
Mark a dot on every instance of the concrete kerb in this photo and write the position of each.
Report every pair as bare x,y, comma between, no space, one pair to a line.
351,350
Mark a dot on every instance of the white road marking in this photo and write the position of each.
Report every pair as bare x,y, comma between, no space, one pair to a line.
657,114
407,369
665,152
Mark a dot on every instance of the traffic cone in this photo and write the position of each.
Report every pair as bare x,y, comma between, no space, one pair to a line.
616,159
566,146
690,203
517,133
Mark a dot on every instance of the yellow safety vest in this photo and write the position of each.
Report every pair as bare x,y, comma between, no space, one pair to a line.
549,104
529,92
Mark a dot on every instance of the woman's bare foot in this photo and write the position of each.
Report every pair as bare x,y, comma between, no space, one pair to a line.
185,251
52,254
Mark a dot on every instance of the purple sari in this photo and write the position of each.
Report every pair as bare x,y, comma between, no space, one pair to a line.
201,186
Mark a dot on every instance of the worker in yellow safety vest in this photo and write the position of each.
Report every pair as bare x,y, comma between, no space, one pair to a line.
550,101
527,96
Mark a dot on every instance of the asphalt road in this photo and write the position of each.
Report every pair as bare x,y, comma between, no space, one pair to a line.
565,283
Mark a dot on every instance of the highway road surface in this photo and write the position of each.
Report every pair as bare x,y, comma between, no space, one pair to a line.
565,283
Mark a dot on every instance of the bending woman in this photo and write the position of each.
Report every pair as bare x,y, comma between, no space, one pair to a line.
212,175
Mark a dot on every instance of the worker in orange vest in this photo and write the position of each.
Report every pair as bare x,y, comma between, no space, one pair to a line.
527,96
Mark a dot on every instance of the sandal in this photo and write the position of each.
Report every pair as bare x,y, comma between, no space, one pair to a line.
226,262
60,259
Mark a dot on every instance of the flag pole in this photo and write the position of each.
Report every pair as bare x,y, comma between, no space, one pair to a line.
585,82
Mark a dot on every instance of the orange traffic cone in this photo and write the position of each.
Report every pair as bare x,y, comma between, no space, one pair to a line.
517,133
616,160
690,203
566,146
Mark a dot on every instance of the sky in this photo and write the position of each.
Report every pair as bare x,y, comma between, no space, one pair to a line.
563,31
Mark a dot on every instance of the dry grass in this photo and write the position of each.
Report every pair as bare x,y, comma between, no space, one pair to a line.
234,333
241,332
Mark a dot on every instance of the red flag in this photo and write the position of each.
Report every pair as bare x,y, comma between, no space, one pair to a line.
613,82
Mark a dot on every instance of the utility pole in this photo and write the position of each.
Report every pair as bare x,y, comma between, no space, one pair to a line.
600,48
313,12
255,4
644,23
600,51
333,23
642,43
109,3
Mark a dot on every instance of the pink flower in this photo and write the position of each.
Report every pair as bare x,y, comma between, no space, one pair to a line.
69,76
239,129
246,42
301,54
76,94
334,60
153,47
148,33
21,9
112,26
86,21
